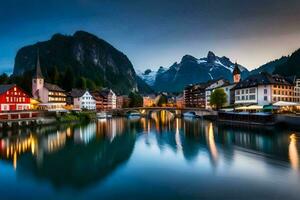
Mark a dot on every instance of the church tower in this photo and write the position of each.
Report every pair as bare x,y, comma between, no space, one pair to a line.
37,80
236,73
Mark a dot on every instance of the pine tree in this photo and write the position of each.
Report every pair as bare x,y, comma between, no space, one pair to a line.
68,80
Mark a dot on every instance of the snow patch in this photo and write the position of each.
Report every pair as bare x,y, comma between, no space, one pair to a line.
210,76
227,67
148,78
201,60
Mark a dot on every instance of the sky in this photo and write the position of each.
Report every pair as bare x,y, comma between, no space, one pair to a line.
157,33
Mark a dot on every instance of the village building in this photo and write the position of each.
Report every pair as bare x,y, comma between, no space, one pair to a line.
99,99
216,84
110,99
81,99
122,101
106,99
180,101
149,101
13,98
51,96
194,95
264,89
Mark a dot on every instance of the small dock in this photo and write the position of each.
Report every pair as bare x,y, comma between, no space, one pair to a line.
20,118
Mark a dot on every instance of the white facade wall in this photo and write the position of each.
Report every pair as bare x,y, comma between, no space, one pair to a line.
209,90
37,85
227,92
260,95
113,100
246,96
44,95
264,95
87,101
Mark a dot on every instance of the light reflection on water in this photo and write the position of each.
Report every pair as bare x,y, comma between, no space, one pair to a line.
177,158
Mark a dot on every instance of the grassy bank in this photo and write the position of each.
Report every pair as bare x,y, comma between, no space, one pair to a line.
76,117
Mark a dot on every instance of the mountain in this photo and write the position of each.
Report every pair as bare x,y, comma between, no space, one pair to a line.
143,87
270,66
192,70
91,61
149,76
291,66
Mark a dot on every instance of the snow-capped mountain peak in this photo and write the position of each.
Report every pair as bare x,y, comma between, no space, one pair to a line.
191,70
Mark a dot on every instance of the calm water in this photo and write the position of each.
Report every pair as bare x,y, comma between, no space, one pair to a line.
157,158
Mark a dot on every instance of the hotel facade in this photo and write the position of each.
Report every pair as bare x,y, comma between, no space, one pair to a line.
264,89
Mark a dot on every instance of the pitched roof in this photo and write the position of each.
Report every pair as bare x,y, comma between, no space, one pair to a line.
105,92
262,79
205,85
4,88
53,87
96,95
77,93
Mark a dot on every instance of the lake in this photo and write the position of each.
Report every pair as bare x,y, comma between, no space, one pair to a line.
150,158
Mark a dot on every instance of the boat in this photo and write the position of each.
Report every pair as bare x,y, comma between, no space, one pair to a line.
134,115
189,115
103,115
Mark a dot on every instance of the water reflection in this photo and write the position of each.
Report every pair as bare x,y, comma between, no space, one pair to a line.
293,152
83,155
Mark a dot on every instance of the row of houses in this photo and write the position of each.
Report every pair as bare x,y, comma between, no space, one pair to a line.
259,89
47,96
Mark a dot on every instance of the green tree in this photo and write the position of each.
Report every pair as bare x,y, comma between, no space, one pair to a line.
135,100
4,78
90,84
218,98
163,100
81,83
68,80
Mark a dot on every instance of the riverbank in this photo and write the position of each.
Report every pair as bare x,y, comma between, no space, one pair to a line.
259,119
50,118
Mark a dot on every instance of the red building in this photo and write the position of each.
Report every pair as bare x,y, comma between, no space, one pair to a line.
13,98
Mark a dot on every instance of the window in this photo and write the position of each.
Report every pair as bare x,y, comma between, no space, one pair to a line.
265,98
252,97
265,91
274,92
252,90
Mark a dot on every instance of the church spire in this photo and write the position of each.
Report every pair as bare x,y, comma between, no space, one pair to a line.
38,73
236,73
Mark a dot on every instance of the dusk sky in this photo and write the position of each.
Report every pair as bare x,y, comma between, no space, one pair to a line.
158,32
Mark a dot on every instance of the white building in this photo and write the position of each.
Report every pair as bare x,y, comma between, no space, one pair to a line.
51,96
264,89
81,99
216,84
229,93
109,99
